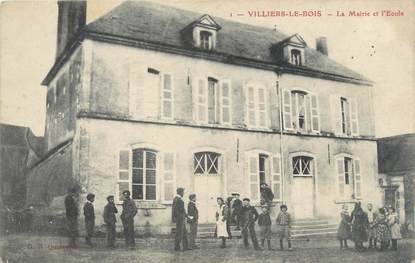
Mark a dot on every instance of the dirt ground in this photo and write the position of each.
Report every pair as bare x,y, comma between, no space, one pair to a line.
25,248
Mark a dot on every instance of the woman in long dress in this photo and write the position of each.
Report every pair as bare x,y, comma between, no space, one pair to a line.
383,234
395,228
221,216
359,226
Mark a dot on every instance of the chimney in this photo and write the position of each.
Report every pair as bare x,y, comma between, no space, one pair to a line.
321,45
71,19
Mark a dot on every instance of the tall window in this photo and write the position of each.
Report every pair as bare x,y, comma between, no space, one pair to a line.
302,166
212,100
300,111
205,40
144,174
262,168
345,114
206,163
348,177
256,106
296,57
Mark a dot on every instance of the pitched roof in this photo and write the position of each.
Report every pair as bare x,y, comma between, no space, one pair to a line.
155,23
396,153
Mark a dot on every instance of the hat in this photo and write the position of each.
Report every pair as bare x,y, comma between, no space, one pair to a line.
246,199
235,193
110,196
283,206
264,184
126,192
179,190
89,197
192,196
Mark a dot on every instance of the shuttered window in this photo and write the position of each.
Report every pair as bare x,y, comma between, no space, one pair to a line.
349,178
200,102
253,176
256,107
287,110
344,115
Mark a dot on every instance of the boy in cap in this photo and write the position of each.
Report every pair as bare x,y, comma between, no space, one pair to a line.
193,214
264,222
284,225
249,216
129,210
89,215
109,219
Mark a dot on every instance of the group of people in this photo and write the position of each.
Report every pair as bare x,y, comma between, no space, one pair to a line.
129,210
360,226
232,212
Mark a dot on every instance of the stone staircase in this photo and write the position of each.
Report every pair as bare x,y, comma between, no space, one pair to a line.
313,228
301,229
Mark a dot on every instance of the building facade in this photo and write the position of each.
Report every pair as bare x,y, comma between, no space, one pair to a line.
397,174
150,98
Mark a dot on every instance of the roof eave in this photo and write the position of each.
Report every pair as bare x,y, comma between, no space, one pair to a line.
65,55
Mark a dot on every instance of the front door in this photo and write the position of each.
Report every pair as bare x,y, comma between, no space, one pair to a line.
208,186
207,189
302,197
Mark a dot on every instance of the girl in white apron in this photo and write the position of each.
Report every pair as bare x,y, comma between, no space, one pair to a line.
221,213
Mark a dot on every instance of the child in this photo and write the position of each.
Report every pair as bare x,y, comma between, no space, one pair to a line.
383,234
371,216
395,227
284,225
344,231
264,222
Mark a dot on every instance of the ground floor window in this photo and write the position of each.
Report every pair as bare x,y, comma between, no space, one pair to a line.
144,171
206,163
349,178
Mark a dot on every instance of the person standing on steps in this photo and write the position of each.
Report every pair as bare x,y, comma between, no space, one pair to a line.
221,216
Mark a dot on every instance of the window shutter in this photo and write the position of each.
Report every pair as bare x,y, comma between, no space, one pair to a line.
287,118
123,172
253,175
315,118
357,178
250,106
225,102
167,94
200,100
354,117
262,106
276,177
336,114
169,176
340,176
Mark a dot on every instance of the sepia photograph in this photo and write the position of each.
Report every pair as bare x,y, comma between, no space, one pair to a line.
207,131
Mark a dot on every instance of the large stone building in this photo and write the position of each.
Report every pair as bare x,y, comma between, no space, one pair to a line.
150,97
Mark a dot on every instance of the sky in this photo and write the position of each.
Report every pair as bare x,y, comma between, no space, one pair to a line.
379,47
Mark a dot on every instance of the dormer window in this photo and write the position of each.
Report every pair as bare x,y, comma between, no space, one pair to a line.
291,50
201,33
296,57
205,40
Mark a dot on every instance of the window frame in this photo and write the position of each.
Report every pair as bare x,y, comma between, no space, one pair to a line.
354,174
253,105
301,173
204,167
203,41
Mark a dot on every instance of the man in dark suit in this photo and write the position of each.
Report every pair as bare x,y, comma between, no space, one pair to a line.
109,219
178,217
193,215
266,195
129,210
236,209
89,218
249,216
72,213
